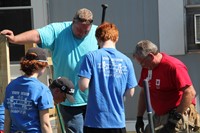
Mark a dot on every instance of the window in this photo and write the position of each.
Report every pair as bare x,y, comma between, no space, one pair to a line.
197,28
193,25
20,16
14,3
19,20
16,15
193,2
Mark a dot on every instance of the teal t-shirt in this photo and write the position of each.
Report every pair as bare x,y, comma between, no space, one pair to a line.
67,53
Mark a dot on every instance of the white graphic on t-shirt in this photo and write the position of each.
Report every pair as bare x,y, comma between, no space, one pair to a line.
112,67
149,77
18,102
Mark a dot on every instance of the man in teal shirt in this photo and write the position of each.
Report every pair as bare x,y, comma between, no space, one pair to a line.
68,42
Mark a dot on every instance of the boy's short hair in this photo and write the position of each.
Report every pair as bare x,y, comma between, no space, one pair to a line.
107,31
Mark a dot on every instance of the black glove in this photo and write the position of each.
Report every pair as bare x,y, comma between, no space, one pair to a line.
168,128
139,125
171,124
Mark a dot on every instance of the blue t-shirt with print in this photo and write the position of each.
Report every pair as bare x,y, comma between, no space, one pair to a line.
2,116
111,74
24,98
67,52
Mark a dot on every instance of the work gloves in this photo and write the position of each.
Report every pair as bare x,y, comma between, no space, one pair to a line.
139,125
174,117
168,128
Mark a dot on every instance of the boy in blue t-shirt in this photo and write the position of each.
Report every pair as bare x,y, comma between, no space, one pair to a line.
108,74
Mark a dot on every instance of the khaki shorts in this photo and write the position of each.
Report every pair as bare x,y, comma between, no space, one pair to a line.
189,124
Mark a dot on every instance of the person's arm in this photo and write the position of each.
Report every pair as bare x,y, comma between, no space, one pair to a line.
27,37
188,95
83,83
141,103
7,122
45,121
130,92
139,126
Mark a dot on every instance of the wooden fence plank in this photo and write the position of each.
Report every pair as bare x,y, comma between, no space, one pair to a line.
4,66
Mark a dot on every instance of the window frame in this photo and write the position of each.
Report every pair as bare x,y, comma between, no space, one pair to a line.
191,10
196,29
38,18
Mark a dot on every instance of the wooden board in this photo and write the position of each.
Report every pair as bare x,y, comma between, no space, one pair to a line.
4,66
29,45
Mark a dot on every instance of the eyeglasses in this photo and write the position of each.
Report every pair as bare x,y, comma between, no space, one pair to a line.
143,61
84,21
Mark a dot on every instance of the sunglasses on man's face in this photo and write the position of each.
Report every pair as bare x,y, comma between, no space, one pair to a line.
84,21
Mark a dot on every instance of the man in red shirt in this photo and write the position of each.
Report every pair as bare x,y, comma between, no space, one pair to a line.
171,90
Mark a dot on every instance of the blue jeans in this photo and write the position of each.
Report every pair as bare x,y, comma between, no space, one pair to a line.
73,118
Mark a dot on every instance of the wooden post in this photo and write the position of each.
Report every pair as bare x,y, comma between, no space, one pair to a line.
4,66
27,46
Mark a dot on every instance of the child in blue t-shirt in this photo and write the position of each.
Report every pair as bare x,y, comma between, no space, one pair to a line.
27,100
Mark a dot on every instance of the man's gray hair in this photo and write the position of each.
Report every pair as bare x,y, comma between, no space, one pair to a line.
144,47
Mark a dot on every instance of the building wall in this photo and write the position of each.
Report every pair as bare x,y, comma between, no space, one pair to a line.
137,20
